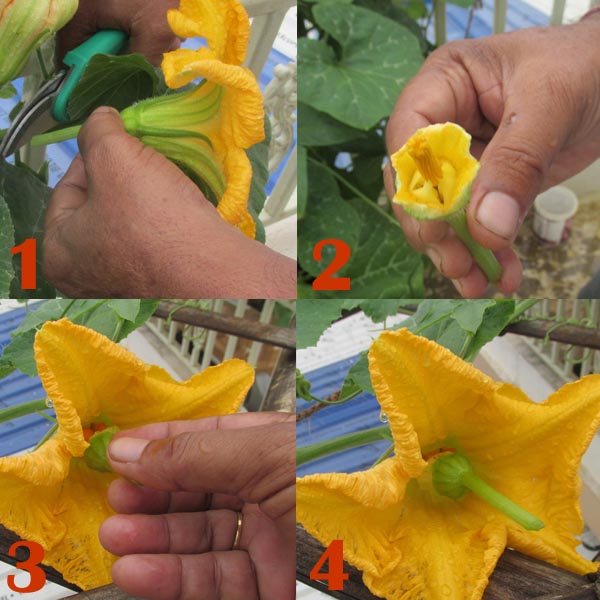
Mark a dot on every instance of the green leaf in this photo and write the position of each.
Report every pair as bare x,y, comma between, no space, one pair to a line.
470,314
115,319
358,376
319,129
117,81
259,159
463,3
313,317
495,319
126,309
361,86
303,386
302,181
8,91
321,184
7,241
328,218
382,263
380,310
27,198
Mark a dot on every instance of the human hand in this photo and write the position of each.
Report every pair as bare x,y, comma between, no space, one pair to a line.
177,528
531,101
126,222
144,20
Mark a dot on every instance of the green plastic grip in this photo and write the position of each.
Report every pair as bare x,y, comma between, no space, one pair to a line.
109,41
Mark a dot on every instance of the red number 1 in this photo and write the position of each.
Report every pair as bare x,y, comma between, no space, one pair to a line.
325,281
37,577
28,264
335,577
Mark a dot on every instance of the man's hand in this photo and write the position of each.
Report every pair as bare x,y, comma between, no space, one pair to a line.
531,101
126,222
144,20
177,527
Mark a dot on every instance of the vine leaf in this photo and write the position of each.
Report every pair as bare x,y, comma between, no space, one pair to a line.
7,241
319,129
26,197
116,81
375,54
259,159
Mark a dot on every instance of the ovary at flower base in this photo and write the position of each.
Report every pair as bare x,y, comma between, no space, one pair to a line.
52,496
413,542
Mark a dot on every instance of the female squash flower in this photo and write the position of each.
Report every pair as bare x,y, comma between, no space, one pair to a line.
24,26
51,496
434,173
412,537
206,130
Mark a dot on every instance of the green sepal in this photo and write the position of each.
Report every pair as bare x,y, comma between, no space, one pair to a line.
448,471
95,456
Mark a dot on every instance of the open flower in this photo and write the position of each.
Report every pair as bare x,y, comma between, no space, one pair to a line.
24,26
413,542
207,129
434,171
51,496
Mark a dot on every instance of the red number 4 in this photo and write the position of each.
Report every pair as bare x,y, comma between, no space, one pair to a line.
37,576
335,576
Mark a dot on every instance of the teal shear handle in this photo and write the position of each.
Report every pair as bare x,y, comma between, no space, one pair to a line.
108,41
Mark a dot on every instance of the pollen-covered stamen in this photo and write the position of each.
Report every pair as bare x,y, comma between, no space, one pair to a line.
427,164
93,428
453,476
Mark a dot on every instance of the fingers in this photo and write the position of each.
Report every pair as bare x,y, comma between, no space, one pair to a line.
176,533
103,127
256,464
69,195
211,576
128,498
513,168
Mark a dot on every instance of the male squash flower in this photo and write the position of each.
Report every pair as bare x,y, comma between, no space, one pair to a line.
24,26
434,173
411,523
207,129
52,496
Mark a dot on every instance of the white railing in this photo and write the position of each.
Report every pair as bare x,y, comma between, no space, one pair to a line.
196,348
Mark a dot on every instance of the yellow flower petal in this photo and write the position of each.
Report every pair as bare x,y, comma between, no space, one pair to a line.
444,548
439,186
224,24
51,496
84,369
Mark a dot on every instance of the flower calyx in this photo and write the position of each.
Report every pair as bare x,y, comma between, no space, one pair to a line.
453,477
95,456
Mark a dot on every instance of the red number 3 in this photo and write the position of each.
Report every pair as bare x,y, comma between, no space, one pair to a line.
325,281
37,577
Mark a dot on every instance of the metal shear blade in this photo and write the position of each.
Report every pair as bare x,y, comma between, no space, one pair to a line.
34,118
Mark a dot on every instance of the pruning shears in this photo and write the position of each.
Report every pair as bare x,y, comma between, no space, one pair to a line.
50,105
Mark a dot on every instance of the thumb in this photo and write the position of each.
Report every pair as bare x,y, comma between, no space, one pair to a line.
513,169
255,464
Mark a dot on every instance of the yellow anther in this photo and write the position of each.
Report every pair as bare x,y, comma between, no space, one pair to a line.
428,165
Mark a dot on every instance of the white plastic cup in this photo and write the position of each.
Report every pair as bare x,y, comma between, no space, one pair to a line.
552,209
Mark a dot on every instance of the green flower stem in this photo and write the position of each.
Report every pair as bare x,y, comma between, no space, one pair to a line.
343,442
22,410
502,503
483,256
54,137
453,476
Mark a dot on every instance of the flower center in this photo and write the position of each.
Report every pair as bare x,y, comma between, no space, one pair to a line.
427,163
93,428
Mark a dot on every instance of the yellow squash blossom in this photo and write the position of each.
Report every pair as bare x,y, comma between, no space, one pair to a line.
51,496
434,173
398,525
24,26
207,129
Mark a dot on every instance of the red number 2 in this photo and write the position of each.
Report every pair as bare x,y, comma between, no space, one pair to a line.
28,264
37,577
335,577
325,281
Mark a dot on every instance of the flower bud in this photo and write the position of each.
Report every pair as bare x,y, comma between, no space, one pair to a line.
24,26
95,456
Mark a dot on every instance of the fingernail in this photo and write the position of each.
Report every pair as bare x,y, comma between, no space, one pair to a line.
126,450
458,285
435,258
105,110
500,214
